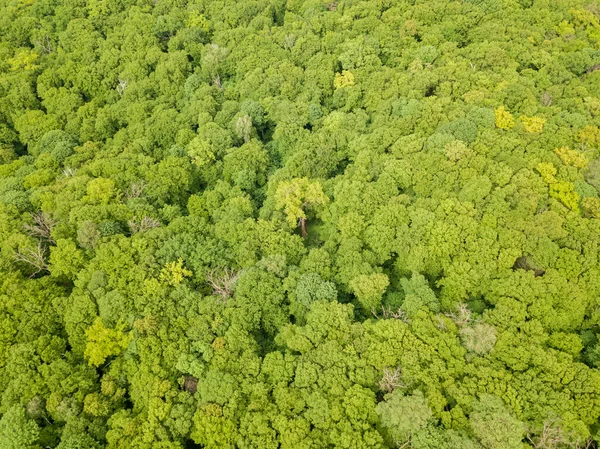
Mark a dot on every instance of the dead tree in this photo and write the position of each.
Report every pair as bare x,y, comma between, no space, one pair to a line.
42,227
223,282
135,190
392,379
35,258
302,224
190,383
143,225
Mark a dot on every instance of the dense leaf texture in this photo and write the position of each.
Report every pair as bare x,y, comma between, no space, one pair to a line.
303,224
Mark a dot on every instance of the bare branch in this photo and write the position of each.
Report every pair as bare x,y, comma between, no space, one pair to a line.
121,86
69,172
223,282
243,127
190,383
462,315
42,227
135,190
392,378
441,324
587,444
387,313
143,225
405,445
546,99
44,44
33,257
289,41
549,437
553,436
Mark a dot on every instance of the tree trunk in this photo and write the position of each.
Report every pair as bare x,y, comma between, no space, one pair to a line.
303,228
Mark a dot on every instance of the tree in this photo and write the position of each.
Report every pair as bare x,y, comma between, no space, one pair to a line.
297,196
418,295
88,234
369,289
311,287
17,430
403,416
66,259
104,342
479,338
494,425
162,164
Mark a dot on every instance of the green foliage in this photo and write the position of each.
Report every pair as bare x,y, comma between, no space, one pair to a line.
369,289
494,425
103,342
504,119
344,79
403,416
173,273
303,224
311,287
298,195
24,59
66,259
17,431
100,191
418,295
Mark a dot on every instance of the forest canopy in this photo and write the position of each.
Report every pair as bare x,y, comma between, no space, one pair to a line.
301,224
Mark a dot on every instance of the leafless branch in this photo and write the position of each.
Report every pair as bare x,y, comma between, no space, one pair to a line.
587,444
223,282
387,313
121,86
143,225
190,383
546,99
289,41
45,44
550,436
35,257
42,226
462,315
392,378
135,190
68,172
441,324
553,436
405,445
243,127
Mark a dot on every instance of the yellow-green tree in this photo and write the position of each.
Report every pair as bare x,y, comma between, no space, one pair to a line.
296,197
103,342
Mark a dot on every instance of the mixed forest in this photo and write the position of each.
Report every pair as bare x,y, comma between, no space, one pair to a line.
299,224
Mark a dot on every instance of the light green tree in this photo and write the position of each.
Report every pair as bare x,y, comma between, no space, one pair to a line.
296,197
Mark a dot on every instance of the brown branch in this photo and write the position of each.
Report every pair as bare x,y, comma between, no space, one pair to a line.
42,227
34,257
143,225
302,223
462,316
223,282
392,378
407,444
387,313
135,190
